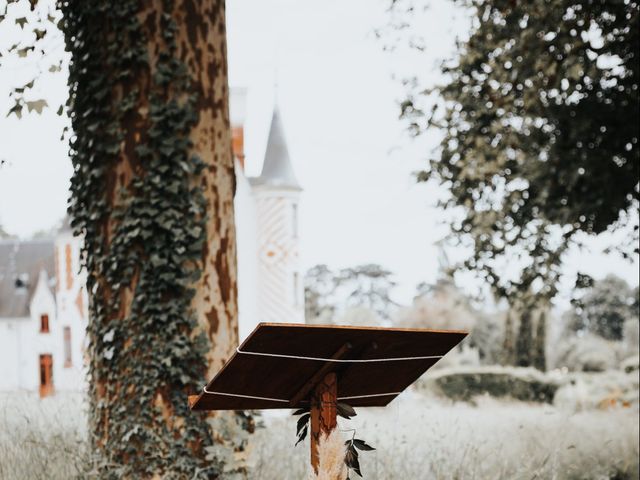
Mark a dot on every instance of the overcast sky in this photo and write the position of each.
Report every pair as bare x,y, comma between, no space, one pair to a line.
338,100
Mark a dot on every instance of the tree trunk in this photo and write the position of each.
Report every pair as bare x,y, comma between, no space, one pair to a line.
539,348
508,347
524,342
152,194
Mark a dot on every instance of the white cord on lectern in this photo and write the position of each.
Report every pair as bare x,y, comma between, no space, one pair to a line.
204,389
281,400
339,360
320,359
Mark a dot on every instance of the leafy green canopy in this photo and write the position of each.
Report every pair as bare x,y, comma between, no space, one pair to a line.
540,120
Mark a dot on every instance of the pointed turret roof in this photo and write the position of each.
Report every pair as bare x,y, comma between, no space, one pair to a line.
277,170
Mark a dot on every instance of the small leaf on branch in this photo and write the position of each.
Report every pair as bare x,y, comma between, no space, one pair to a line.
362,445
302,422
302,435
345,411
21,21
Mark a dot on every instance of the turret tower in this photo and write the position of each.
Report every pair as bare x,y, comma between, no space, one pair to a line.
277,194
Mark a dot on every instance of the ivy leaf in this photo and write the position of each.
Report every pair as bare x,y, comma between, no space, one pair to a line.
24,51
37,105
17,109
21,21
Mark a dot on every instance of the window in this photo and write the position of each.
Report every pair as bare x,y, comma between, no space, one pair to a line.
44,323
46,375
294,220
296,282
67,347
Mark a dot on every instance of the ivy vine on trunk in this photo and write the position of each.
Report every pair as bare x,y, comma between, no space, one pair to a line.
152,195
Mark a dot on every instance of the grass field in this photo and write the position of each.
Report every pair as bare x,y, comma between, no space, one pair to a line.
417,437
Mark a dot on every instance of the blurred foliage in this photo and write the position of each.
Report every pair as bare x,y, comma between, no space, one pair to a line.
37,46
540,118
605,308
4,234
588,353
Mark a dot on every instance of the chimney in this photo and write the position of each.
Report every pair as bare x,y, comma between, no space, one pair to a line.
237,108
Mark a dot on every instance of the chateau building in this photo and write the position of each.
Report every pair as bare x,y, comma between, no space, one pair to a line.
43,301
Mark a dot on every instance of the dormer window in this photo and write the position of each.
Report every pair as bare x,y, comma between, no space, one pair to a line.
44,323
22,281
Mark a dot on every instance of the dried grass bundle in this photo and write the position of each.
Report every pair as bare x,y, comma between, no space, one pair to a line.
331,451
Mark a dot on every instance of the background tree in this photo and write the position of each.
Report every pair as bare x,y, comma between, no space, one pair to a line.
540,116
440,306
152,196
369,286
319,288
363,287
605,308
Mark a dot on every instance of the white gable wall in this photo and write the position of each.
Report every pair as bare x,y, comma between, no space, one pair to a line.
71,312
245,218
22,343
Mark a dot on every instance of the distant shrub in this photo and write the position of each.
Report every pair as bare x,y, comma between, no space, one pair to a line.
584,391
525,384
588,353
